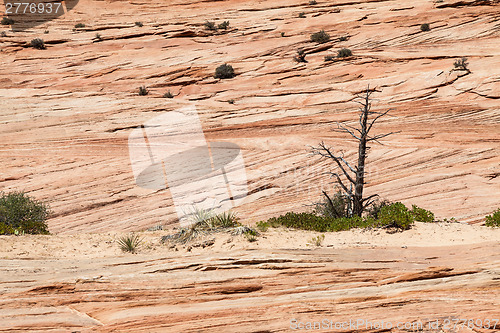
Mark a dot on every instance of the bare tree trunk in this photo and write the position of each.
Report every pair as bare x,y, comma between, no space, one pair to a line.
355,176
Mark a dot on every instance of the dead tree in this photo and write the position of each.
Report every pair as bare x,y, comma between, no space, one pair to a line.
355,175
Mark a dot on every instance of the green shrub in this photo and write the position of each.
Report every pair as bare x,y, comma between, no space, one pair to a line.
317,241
320,37
210,26
329,58
313,2
396,215
313,222
230,101
224,25
3,34
19,213
168,94
336,206
38,43
79,25
422,215
129,243
143,91
7,21
302,15
98,37
344,53
301,56
224,220
425,27
224,72
493,220
343,38
139,24
374,209
461,64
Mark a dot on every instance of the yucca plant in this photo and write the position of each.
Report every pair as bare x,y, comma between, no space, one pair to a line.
224,220
129,243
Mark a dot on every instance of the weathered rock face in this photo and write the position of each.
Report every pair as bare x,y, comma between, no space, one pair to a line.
265,290
66,112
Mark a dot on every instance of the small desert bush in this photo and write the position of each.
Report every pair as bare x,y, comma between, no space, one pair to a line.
79,25
224,72
374,209
129,243
224,220
343,38
19,213
210,26
425,27
302,15
7,21
313,2
301,56
3,34
224,25
396,215
143,91
317,241
98,37
139,24
344,53
422,215
37,43
336,206
168,94
461,64
493,220
204,222
230,101
329,58
320,37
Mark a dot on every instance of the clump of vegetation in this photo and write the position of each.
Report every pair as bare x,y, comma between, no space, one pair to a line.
79,25
3,34
317,241
168,94
282,34
224,25
38,44
98,37
251,235
313,2
396,215
139,24
374,210
461,64
331,215
425,27
302,15
301,56
143,91
336,207
20,214
320,37
46,32
210,26
205,222
493,220
224,72
344,53
329,58
343,38
129,243
230,101
7,21
422,215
